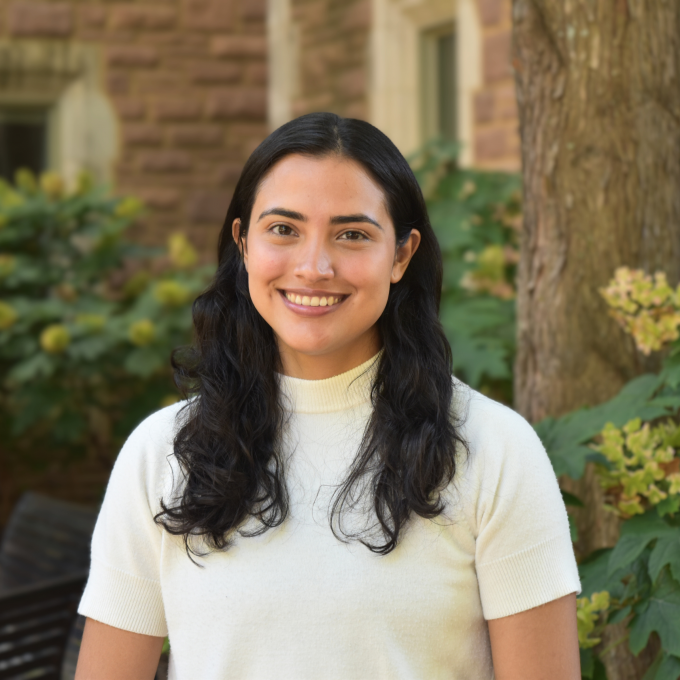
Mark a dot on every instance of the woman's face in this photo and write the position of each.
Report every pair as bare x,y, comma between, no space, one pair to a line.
321,254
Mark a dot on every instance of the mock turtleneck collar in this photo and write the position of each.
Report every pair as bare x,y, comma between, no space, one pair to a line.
338,393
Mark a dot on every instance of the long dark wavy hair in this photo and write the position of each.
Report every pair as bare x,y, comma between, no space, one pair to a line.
228,446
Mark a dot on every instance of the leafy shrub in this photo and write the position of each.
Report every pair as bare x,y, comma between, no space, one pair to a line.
476,216
634,442
87,319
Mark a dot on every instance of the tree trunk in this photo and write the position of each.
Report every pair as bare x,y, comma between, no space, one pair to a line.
598,87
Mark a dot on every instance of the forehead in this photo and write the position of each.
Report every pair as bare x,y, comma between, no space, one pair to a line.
325,183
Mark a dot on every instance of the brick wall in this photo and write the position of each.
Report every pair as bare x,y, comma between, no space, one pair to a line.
496,136
187,79
333,42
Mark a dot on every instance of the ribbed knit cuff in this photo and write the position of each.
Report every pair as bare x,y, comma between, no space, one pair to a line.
527,579
123,601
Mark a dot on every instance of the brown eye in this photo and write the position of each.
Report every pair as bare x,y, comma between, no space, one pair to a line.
353,236
282,230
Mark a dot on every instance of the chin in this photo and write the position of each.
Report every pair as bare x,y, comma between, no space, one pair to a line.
309,346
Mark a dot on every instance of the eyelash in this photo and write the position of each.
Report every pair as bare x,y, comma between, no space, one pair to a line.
275,227
362,236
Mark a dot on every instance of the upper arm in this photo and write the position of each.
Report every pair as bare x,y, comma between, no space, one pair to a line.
537,644
109,653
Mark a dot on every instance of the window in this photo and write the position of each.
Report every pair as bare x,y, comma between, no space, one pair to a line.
23,140
438,83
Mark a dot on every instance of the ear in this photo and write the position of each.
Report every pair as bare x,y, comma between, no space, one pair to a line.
404,254
240,241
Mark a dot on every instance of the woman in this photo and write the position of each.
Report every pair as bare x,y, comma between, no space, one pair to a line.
331,504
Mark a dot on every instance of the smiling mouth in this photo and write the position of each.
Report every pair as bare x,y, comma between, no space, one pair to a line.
314,301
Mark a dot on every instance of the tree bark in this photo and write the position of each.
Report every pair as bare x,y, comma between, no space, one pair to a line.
598,87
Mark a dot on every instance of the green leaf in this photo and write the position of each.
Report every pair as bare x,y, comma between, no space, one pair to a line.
144,361
666,551
661,616
573,529
668,506
571,500
594,574
669,668
36,366
565,438
636,534
587,663
619,615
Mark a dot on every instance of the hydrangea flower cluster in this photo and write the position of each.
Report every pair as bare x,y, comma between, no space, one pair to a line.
645,306
587,614
643,470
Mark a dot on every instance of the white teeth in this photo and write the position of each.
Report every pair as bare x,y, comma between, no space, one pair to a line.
307,301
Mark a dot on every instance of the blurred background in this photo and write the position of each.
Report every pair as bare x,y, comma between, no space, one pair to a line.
125,124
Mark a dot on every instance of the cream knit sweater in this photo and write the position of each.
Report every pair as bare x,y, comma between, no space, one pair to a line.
297,604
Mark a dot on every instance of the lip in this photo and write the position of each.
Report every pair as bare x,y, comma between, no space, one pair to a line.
303,310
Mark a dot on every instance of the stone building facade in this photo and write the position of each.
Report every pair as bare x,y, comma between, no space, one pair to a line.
167,98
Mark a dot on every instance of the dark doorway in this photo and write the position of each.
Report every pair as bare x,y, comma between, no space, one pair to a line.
23,141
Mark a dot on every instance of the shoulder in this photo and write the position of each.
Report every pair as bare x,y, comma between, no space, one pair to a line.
505,460
159,429
147,455
489,426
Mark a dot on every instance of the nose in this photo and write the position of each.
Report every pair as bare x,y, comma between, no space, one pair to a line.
314,261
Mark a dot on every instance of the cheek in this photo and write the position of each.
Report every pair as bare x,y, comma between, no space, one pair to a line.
264,266
370,276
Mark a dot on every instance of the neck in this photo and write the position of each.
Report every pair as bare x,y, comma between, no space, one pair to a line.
325,365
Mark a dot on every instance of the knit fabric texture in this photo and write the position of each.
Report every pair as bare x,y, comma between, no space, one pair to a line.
296,603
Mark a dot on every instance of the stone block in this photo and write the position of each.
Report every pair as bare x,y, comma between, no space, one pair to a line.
169,161
159,199
130,109
208,15
197,135
237,103
228,173
135,17
132,56
357,110
117,83
484,106
212,73
257,74
352,84
157,82
357,16
177,109
491,11
38,19
239,46
253,10
490,144
142,135
92,16
497,49
506,102
208,207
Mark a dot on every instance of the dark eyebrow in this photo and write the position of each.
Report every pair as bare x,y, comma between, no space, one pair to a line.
338,219
353,219
282,212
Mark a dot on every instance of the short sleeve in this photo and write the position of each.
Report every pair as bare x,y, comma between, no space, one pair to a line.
524,556
123,588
